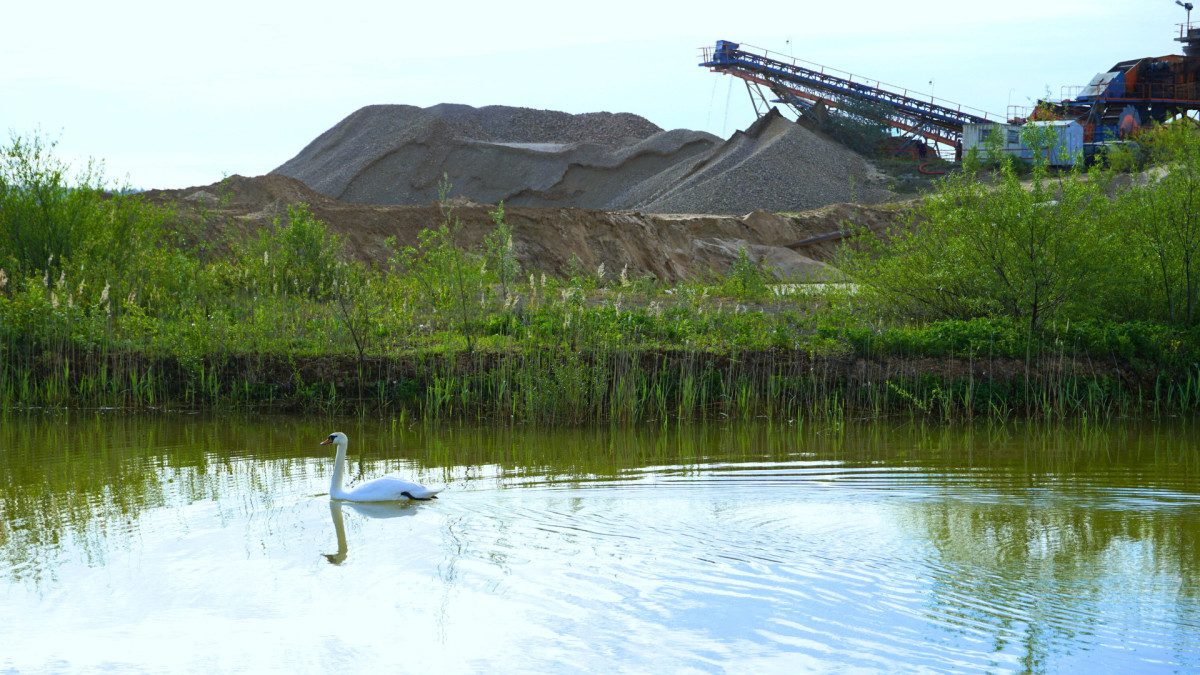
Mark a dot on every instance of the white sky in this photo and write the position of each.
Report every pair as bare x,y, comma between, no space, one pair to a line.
173,95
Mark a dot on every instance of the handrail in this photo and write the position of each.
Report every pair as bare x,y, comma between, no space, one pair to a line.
956,110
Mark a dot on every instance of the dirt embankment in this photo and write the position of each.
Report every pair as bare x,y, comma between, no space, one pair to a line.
669,247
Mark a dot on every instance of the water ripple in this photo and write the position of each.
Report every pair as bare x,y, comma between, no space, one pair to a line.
843,564
935,564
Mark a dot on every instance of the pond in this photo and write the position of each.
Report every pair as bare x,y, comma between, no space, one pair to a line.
194,544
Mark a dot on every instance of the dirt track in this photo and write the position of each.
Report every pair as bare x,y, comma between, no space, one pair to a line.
670,247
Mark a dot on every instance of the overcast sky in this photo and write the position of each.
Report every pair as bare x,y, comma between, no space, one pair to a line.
179,94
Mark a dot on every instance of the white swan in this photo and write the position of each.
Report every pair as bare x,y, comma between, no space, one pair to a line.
386,489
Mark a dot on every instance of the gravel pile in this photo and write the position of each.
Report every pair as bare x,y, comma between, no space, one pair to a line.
503,124
398,155
775,165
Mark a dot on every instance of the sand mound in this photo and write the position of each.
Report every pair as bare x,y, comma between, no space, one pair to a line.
669,247
398,155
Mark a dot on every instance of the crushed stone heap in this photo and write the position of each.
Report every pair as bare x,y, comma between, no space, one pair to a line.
399,154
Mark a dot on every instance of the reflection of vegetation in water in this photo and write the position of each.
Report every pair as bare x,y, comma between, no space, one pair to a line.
1078,508
63,492
1019,507
81,484
989,553
85,486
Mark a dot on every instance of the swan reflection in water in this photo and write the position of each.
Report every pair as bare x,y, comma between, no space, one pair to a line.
368,509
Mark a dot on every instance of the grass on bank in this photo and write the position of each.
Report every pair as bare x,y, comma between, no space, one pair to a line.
1066,300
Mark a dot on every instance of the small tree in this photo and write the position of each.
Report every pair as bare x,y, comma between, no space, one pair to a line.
360,306
498,251
448,274
1009,249
747,279
1162,219
53,219
299,255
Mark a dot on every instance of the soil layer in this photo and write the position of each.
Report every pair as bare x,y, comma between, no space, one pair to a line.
670,247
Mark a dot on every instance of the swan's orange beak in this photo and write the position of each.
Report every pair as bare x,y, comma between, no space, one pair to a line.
327,441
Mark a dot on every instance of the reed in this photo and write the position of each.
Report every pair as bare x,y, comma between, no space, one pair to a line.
550,386
447,332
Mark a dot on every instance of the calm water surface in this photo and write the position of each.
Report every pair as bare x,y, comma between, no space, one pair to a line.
185,544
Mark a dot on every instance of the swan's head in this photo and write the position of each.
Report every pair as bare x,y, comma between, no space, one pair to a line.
336,437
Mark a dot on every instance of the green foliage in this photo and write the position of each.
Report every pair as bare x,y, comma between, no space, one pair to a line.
1026,252
1045,267
980,336
1161,223
297,256
859,125
1125,157
54,222
1029,272
448,276
498,252
44,217
747,279
1004,338
992,156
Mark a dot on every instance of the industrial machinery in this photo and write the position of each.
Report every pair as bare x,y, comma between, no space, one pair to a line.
809,89
1132,93
1112,106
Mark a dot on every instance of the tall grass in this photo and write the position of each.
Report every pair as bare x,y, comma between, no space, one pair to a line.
450,331
628,356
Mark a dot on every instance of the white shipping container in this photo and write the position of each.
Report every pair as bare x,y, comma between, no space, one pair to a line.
975,135
1067,148
1068,144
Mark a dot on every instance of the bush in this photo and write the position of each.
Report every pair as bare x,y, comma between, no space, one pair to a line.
747,280
299,256
1030,253
1161,224
54,222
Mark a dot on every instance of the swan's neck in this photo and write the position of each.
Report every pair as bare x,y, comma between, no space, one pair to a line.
339,470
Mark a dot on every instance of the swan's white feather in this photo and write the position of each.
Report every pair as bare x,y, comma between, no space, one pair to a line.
387,489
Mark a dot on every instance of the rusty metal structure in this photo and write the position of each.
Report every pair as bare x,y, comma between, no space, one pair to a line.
1110,107
1131,94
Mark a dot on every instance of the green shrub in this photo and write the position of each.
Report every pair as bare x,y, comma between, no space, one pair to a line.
747,279
1161,228
296,256
53,221
1029,253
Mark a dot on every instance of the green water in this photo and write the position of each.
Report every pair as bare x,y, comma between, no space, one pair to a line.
192,544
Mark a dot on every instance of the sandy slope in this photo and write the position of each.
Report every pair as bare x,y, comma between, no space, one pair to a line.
670,247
